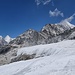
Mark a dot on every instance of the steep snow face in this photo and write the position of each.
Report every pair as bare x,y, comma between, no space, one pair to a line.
8,38
58,59
66,24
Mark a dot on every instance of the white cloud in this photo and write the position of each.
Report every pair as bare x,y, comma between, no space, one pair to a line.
44,2
56,13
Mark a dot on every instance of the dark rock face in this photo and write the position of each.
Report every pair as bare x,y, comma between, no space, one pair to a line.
4,49
23,57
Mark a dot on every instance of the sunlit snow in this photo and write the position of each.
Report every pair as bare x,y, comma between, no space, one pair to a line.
50,59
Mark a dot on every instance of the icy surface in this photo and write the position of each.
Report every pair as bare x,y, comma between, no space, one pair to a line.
58,59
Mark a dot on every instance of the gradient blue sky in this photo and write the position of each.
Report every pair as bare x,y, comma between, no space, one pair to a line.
17,16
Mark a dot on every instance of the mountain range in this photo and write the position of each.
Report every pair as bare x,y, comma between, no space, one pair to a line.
50,33
50,51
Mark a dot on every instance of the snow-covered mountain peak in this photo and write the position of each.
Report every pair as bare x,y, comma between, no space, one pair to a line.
8,38
66,24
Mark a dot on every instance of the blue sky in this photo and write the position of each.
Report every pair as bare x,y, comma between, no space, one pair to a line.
17,16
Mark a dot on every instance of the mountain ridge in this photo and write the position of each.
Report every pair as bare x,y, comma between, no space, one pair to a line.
32,37
50,33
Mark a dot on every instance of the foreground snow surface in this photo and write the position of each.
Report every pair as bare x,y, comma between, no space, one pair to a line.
54,59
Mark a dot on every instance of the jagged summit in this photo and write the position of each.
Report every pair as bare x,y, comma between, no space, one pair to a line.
7,38
52,29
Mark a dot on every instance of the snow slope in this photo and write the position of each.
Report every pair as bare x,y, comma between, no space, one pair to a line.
54,59
61,48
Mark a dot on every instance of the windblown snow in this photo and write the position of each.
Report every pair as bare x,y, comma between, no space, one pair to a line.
51,59
66,24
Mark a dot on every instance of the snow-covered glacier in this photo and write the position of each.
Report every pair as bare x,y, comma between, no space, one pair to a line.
50,59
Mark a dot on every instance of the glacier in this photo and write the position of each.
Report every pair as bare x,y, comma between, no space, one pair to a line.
50,59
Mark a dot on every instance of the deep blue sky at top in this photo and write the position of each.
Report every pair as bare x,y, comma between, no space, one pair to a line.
16,16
